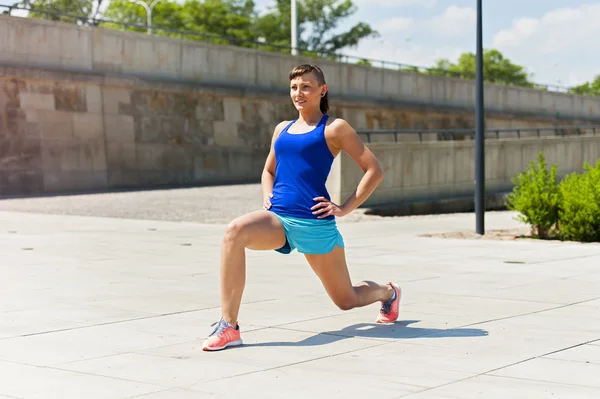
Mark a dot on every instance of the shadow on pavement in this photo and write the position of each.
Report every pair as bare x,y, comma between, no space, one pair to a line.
399,330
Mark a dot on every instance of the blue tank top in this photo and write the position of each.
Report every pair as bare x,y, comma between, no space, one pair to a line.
303,163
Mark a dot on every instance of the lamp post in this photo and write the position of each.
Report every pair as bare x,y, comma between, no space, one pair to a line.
294,28
479,131
149,9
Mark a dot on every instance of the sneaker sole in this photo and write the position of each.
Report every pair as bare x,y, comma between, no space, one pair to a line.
232,343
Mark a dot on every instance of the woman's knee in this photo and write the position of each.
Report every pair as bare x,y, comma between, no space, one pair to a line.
345,302
234,234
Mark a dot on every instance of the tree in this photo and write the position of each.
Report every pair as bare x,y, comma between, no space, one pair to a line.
87,9
317,20
496,69
231,18
588,88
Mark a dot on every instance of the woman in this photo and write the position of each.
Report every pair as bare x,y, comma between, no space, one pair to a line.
298,213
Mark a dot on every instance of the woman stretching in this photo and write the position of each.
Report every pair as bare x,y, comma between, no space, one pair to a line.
298,213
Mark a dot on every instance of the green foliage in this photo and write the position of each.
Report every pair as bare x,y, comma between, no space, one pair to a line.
231,18
536,197
588,88
580,208
496,69
85,8
317,20
568,210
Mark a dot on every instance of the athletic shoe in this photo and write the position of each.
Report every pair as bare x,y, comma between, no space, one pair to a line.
223,335
389,310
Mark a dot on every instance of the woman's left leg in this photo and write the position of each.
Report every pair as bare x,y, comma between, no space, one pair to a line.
332,270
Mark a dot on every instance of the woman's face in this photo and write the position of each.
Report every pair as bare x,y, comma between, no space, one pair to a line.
305,91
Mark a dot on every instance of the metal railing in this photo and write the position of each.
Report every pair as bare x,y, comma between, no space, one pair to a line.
455,134
264,46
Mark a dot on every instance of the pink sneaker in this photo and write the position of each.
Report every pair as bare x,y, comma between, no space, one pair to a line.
389,310
223,335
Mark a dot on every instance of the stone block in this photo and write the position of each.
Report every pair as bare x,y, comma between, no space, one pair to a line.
92,155
122,179
93,98
240,163
250,134
88,126
149,130
149,157
55,124
232,109
184,105
51,155
119,128
21,182
153,178
20,153
113,97
30,115
121,156
70,98
210,108
69,155
31,100
225,133
177,159
210,164
59,181
92,180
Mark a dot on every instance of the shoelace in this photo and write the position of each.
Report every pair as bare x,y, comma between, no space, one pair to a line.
221,326
386,307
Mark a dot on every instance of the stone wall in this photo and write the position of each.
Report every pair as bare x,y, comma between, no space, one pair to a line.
62,131
65,132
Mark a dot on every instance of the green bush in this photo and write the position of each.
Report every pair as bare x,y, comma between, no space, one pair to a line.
536,197
579,215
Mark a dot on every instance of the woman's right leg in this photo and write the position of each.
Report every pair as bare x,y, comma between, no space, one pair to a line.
259,230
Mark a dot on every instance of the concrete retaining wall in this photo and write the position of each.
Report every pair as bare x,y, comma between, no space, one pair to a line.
63,132
94,109
47,44
433,171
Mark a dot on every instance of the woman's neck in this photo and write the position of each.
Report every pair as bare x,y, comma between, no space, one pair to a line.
310,117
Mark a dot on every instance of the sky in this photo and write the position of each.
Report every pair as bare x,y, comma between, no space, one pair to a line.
555,40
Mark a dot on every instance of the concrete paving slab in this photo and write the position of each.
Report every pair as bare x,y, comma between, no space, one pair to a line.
115,308
581,353
494,387
552,370
179,394
27,381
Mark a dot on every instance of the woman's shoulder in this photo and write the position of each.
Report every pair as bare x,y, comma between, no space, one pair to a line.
279,128
338,126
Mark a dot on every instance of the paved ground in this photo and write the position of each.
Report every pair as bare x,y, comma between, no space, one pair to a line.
117,307
215,204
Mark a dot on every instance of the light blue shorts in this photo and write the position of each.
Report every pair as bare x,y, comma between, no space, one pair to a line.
309,236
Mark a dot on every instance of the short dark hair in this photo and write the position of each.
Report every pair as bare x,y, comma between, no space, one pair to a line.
307,68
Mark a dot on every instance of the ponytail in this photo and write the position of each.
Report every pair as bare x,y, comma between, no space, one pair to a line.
324,103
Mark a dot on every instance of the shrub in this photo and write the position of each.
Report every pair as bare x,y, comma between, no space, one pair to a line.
536,197
579,216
